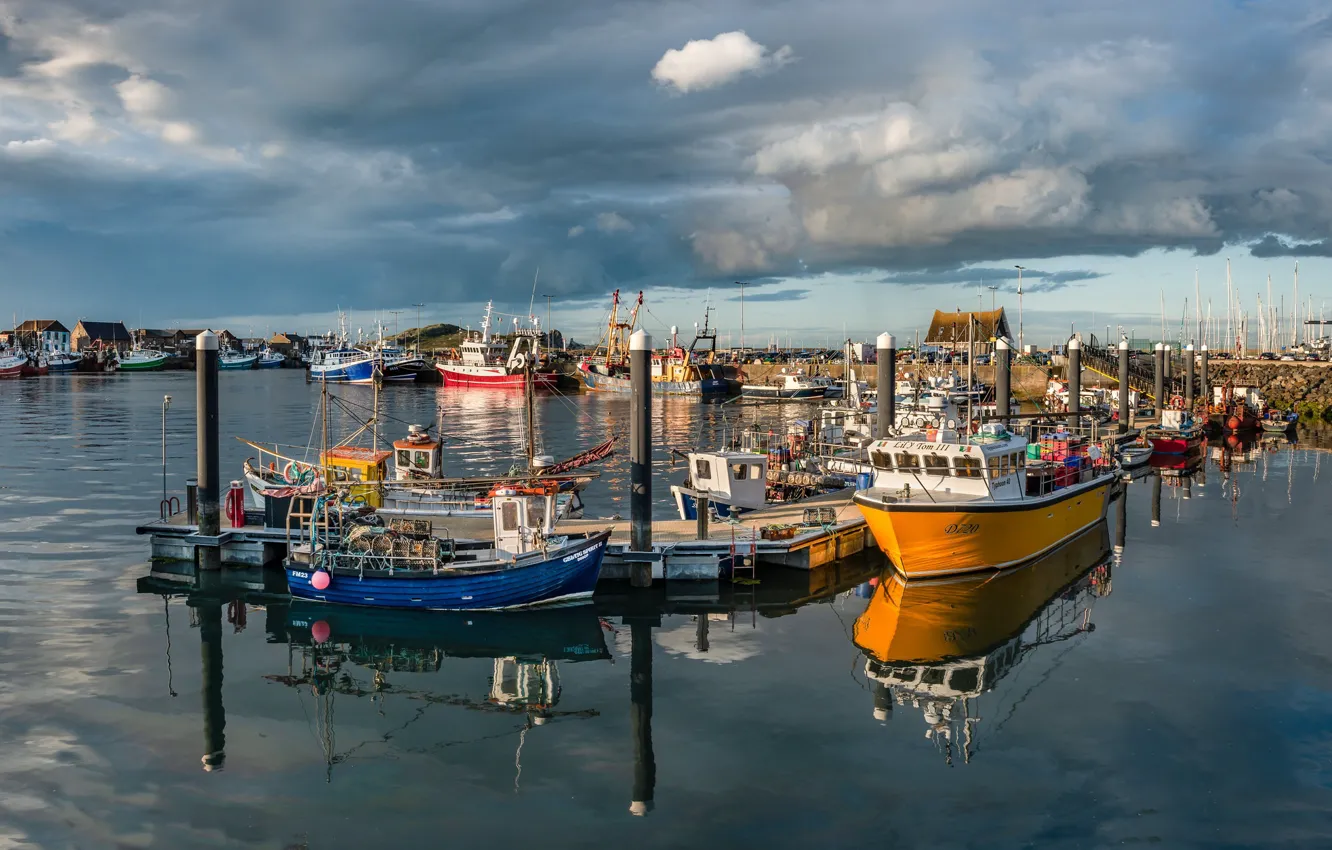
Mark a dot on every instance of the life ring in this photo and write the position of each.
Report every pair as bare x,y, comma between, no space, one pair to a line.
1177,402
297,473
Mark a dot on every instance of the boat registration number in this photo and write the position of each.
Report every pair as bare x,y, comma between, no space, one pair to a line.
295,574
962,528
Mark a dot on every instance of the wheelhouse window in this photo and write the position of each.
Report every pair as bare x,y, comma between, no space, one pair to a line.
509,515
881,460
422,460
907,462
936,464
702,470
968,467
404,457
739,471
755,472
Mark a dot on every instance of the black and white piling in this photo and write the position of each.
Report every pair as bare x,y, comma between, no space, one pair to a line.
1169,361
1188,376
1123,386
206,434
1074,381
640,715
1003,376
1156,501
1204,391
887,382
640,455
1158,377
209,610
1121,520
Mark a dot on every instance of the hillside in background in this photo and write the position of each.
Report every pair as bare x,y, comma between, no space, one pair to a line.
439,337
433,337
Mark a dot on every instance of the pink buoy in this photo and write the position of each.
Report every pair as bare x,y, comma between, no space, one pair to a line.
320,580
320,631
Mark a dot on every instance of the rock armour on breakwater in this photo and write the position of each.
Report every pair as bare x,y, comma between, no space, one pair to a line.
1304,388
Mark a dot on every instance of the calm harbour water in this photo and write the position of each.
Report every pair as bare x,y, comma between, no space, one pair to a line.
1180,694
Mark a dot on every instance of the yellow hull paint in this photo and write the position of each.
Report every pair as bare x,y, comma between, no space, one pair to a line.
924,622
972,537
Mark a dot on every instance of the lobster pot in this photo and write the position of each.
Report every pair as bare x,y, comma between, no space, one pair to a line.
360,539
416,553
414,528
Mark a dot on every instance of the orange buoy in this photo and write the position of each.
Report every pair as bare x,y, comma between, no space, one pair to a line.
1233,423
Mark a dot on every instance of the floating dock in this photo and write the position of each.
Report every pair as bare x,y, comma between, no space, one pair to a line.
678,552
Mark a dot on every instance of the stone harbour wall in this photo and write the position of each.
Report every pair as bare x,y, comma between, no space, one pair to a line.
1305,388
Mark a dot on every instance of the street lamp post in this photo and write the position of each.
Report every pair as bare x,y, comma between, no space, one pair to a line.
742,284
418,326
992,289
549,344
1021,346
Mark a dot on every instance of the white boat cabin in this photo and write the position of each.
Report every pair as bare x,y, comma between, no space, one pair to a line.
524,520
417,457
1251,396
994,467
737,479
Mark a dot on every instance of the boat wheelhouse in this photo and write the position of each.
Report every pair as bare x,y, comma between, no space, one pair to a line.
733,483
789,385
678,370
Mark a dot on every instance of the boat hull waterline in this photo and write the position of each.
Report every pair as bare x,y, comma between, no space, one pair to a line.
493,377
936,539
569,576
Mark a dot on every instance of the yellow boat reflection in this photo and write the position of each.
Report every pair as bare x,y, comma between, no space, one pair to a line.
937,645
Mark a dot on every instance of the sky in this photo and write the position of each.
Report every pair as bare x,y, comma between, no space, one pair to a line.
261,166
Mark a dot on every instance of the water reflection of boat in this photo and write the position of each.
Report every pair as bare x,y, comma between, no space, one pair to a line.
940,645
525,646
366,634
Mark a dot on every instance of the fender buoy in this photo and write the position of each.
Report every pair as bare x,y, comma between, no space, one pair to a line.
1177,402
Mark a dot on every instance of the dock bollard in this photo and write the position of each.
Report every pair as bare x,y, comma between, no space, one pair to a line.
1003,376
1188,377
886,383
1074,382
192,501
206,436
1123,386
1158,378
640,455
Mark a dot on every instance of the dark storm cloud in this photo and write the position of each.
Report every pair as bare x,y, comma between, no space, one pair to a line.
781,295
1005,279
1273,246
296,154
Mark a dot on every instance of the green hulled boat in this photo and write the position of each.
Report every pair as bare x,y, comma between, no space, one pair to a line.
142,360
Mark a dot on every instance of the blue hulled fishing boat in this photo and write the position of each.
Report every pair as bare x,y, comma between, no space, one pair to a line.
405,566
343,366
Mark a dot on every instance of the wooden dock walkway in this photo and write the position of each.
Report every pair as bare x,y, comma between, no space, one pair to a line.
682,554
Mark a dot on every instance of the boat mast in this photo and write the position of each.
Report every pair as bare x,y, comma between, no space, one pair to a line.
971,363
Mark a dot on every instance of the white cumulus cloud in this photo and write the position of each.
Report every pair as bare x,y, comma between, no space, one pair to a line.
705,63
576,231
613,222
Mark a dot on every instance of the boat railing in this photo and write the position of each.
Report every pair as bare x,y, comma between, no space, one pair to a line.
428,558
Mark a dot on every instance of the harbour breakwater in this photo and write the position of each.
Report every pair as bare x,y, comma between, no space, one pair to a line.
1305,388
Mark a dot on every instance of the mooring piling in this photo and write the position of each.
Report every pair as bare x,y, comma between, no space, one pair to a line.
1003,376
1156,501
214,715
206,434
1188,376
640,713
1123,386
1169,361
887,382
640,455
1158,377
1074,381
1203,390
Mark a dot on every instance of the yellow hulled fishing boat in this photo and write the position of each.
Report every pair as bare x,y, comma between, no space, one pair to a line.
942,503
